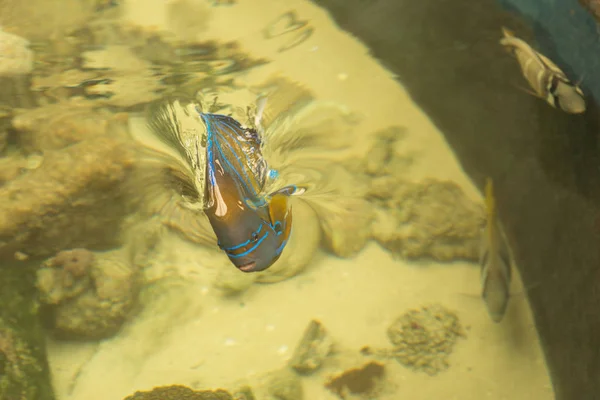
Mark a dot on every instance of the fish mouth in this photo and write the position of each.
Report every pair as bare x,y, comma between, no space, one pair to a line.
247,267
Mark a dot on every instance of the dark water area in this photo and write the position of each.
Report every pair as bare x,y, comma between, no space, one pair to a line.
545,163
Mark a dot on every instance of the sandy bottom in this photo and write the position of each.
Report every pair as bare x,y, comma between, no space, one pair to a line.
188,333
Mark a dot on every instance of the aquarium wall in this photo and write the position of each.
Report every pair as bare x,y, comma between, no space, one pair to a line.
545,162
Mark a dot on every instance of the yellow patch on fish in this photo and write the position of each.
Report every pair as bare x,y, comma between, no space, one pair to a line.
495,261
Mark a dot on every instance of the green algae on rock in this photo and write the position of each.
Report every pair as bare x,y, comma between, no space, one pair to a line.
24,373
178,392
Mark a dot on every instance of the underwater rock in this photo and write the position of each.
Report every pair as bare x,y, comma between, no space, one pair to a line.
56,126
178,392
361,381
24,372
71,78
345,236
301,248
345,216
427,219
142,239
89,296
5,124
187,18
40,19
385,157
313,349
65,276
17,58
423,339
281,384
11,167
127,80
15,94
73,200
243,393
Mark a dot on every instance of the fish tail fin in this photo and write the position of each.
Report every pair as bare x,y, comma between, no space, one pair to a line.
510,42
529,91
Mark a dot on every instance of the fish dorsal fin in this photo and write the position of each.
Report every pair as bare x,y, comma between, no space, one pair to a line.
511,40
238,150
519,45
552,66
490,201
507,32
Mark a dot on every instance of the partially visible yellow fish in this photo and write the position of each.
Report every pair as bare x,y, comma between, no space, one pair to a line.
495,261
545,78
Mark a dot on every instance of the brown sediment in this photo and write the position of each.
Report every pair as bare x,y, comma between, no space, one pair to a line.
362,380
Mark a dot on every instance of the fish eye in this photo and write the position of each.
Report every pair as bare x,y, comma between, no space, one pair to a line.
254,237
277,227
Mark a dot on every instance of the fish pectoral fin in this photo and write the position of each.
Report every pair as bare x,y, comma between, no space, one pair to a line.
279,209
528,91
291,190
280,214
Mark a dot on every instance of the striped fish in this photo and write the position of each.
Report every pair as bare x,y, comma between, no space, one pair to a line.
545,78
495,261
223,173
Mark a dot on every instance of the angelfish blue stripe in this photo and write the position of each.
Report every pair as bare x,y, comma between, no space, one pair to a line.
250,250
245,243
280,248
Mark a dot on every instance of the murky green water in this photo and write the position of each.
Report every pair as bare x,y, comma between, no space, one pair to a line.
377,293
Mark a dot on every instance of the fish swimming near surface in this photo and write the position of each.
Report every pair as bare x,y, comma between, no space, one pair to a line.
495,261
545,78
217,166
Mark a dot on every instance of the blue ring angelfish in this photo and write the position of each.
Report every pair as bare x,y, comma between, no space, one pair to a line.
251,229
